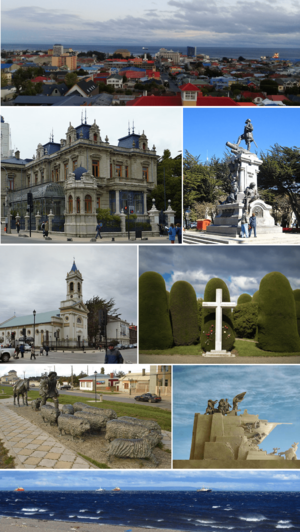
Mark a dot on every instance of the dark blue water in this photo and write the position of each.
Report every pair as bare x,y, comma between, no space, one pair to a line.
178,510
293,54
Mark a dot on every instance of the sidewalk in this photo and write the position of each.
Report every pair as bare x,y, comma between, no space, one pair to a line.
31,447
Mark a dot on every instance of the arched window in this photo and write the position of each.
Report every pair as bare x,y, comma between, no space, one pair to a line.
78,287
95,137
71,287
88,203
77,205
78,320
70,204
70,140
144,146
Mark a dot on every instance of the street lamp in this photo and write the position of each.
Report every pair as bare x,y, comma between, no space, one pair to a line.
95,373
34,313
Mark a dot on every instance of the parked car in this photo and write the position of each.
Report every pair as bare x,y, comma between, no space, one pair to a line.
65,387
27,347
193,225
148,397
6,353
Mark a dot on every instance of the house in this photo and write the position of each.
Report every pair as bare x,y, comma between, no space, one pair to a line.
10,378
115,80
84,87
102,382
135,383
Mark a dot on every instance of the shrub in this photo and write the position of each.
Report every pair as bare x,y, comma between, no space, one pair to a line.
297,301
154,318
184,313
245,320
207,333
244,298
277,320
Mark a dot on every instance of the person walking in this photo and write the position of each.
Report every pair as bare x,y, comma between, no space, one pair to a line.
18,226
172,233
98,229
252,224
179,233
47,350
17,351
41,350
113,356
244,226
22,350
43,228
46,228
32,354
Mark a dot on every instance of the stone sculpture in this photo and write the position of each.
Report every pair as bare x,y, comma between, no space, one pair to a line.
117,429
251,195
290,454
236,400
224,406
50,414
67,409
21,388
79,407
211,407
35,404
95,419
48,389
139,448
247,136
149,423
72,425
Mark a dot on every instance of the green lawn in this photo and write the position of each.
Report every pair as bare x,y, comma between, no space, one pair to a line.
250,349
177,350
163,417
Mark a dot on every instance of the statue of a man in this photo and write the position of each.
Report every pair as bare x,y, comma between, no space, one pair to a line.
247,135
48,389
251,194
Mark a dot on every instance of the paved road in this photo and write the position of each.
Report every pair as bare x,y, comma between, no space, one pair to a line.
11,239
122,398
78,357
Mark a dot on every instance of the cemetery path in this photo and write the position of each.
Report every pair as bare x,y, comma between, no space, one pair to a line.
33,448
196,359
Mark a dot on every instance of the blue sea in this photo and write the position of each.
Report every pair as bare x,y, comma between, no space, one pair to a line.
293,54
178,510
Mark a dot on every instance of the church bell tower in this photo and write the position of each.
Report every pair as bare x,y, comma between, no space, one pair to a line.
74,285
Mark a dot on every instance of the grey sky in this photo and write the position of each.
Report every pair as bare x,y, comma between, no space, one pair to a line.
230,23
33,277
241,268
23,370
162,127
272,392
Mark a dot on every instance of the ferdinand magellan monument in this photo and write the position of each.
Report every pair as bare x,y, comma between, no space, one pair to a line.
243,198
224,438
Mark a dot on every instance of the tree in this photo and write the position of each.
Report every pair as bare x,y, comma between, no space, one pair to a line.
170,169
124,78
70,79
269,86
119,374
184,313
3,80
21,77
82,72
203,182
280,172
94,305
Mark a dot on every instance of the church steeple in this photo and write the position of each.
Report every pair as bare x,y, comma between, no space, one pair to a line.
74,284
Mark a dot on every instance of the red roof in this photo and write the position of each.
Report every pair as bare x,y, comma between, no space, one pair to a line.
246,104
40,79
152,74
130,74
277,98
215,101
189,87
157,101
253,95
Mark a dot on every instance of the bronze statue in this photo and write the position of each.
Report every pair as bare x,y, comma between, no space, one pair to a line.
21,387
247,135
251,195
48,389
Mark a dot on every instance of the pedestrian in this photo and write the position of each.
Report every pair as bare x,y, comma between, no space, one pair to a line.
98,229
43,228
179,233
252,224
244,226
172,233
17,351
22,350
46,228
32,354
113,356
47,350
41,350
6,223
18,226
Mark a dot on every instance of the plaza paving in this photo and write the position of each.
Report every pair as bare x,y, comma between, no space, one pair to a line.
203,238
74,357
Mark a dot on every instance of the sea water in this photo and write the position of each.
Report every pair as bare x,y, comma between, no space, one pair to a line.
177,510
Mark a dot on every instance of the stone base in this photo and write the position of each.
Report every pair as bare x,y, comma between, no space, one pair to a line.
236,464
215,353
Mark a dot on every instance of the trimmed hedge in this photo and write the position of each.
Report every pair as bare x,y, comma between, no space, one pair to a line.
255,297
184,313
245,320
244,298
277,320
297,301
154,318
207,334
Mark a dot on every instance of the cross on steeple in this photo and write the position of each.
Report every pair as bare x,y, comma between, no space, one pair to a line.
219,305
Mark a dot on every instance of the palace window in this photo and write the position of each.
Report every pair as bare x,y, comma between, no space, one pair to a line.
28,180
95,138
74,164
11,183
71,287
126,171
110,170
56,174
98,203
42,177
35,179
66,170
118,170
144,145
78,205
88,203
70,204
95,166
52,175
145,173
70,140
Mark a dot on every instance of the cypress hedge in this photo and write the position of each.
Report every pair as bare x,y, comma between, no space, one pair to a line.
297,301
245,320
154,318
207,334
184,313
277,319
244,298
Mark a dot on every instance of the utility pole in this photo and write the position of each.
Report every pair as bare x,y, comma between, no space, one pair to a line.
72,376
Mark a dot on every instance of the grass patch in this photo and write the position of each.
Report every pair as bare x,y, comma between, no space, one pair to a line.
177,350
250,349
94,462
6,461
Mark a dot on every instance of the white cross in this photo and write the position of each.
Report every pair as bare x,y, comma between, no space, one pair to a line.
218,305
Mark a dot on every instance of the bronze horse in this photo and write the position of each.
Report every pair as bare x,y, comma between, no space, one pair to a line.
21,388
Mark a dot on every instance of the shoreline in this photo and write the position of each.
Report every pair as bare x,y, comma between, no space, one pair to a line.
12,524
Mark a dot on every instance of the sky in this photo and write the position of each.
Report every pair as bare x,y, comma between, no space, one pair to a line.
272,392
241,268
35,277
112,122
64,370
229,23
151,480
206,131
